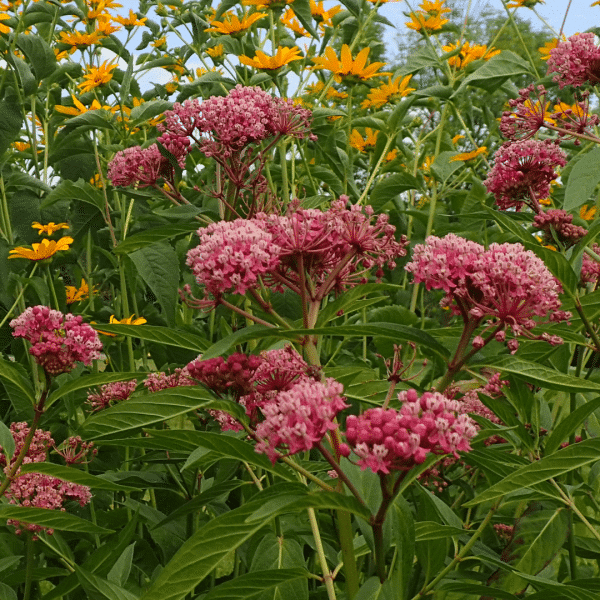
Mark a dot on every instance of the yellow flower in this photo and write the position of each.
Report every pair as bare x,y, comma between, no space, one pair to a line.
468,54
545,202
270,4
160,42
50,228
457,138
97,76
545,49
215,51
75,294
131,21
430,17
45,249
345,67
79,108
104,25
464,156
289,20
283,56
127,321
4,28
587,212
363,144
388,92
392,154
523,3
21,146
232,24
79,40
172,85
321,16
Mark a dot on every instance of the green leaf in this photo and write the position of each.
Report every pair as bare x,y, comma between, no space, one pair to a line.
569,425
7,593
141,410
403,537
539,375
226,446
474,588
7,442
10,373
208,547
38,53
430,530
254,585
28,81
54,519
389,187
120,571
75,190
443,167
96,587
93,119
583,179
423,58
302,11
89,381
161,335
158,266
561,462
154,235
385,330
493,73
149,110
558,265
75,476
513,222
10,124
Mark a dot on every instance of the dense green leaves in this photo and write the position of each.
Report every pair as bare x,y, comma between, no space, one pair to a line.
54,519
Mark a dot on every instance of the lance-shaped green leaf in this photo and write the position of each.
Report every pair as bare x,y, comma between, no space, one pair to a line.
154,235
254,585
209,547
75,476
148,110
10,373
10,124
39,54
54,519
161,335
75,190
474,588
561,462
7,442
95,586
569,425
583,179
539,375
430,530
141,410
89,381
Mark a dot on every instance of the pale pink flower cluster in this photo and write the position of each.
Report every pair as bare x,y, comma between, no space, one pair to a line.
506,286
145,166
155,382
232,255
523,171
297,419
35,489
111,393
390,440
560,222
223,125
575,61
590,268
57,341
470,402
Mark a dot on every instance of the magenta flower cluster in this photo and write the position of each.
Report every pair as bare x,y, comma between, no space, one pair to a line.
390,440
575,61
35,489
590,268
57,341
111,393
506,286
523,172
559,223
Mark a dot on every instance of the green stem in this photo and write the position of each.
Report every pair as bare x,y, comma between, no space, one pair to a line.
327,577
588,326
51,287
20,295
30,557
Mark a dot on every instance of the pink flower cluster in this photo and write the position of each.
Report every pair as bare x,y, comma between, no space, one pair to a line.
155,382
389,440
590,268
232,255
561,223
470,402
523,171
57,341
506,286
35,489
528,115
111,393
223,125
145,166
297,419
575,61
335,249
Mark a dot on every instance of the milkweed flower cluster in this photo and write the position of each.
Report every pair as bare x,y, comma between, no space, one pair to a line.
561,222
506,286
57,341
36,489
590,268
155,382
523,171
470,402
575,61
390,440
111,393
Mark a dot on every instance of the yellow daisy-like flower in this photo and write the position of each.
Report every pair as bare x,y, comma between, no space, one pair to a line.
290,21
430,17
465,156
523,3
345,67
232,24
363,144
50,228
45,249
97,76
283,56
588,212
104,25
392,154
80,40
75,294
388,92
457,138
160,42
270,4
130,21
127,321
216,51
4,28
545,49
321,16
79,108
468,54
21,146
